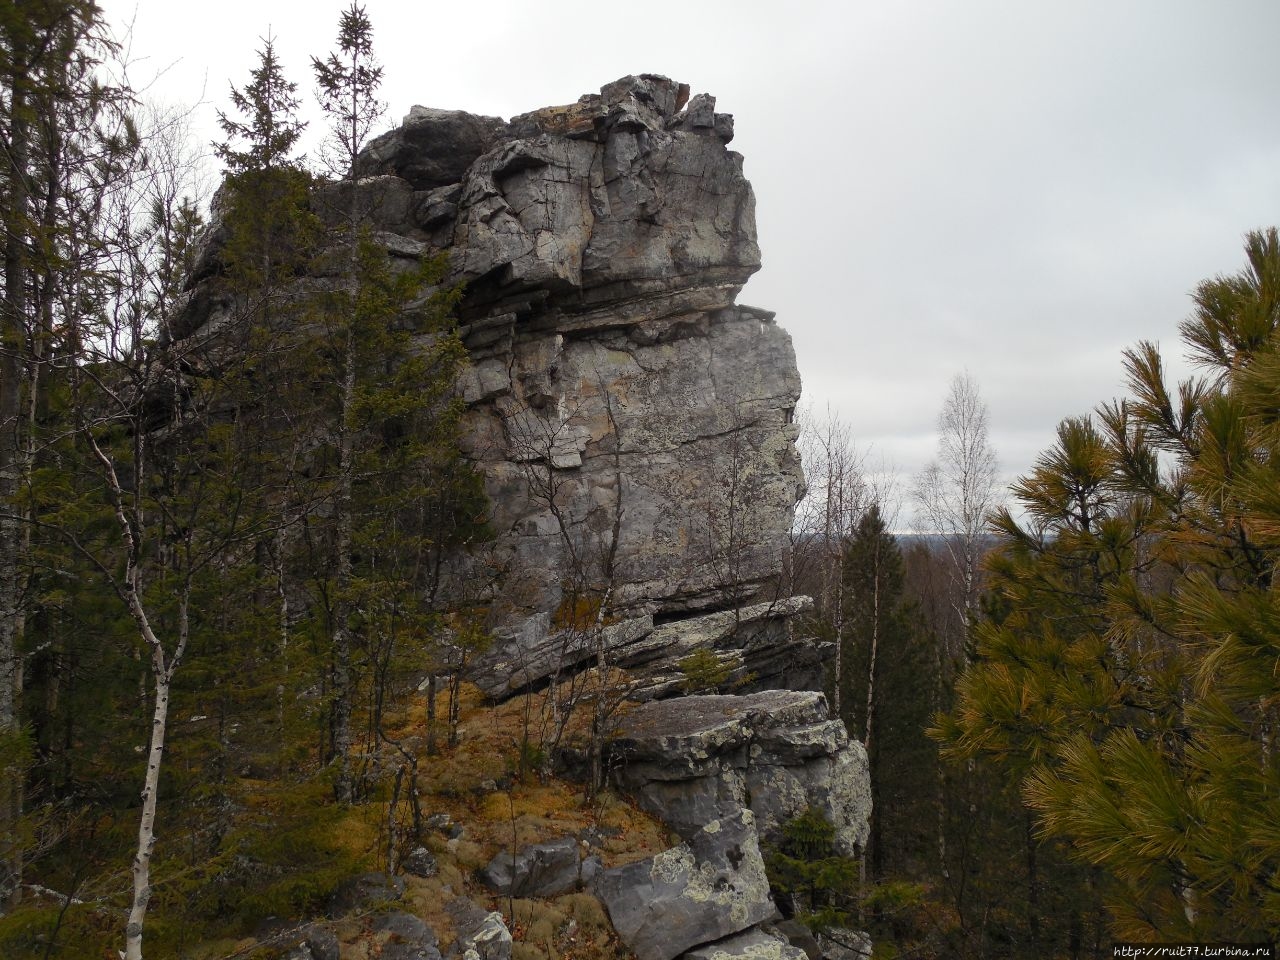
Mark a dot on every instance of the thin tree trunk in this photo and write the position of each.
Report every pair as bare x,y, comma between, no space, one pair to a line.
147,822
1033,886
163,673
432,747
13,322
343,686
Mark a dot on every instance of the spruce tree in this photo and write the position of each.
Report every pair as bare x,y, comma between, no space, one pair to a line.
348,81
66,137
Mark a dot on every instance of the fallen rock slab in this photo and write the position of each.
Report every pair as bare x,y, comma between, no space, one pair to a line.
706,889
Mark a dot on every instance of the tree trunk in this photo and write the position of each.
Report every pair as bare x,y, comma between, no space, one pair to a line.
151,784
343,685
147,822
13,323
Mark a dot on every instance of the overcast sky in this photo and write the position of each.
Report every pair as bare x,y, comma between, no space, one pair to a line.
1020,189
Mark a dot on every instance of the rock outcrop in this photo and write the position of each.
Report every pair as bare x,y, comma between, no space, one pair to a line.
632,421
695,759
726,773
633,426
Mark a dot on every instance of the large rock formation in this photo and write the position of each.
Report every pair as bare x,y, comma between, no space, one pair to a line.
633,425
632,422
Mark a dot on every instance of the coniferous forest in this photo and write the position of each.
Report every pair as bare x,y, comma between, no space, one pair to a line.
234,661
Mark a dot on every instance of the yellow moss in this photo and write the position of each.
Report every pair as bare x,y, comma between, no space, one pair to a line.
527,951
586,910
470,856
427,897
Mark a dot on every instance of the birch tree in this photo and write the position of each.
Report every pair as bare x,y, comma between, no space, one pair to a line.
145,433
957,491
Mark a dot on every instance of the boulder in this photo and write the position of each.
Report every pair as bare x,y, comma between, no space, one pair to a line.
420,862
481,935
313,942
403,936
708,888
540,870
431,148
799,935
838,943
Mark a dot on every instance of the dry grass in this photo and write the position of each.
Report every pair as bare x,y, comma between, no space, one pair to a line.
475,783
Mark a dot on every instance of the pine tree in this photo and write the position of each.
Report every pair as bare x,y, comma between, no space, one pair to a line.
1130,685
271,232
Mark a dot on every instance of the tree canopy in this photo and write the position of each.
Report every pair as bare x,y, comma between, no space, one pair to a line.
1127,675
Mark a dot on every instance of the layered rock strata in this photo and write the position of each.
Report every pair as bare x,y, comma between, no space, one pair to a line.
632,421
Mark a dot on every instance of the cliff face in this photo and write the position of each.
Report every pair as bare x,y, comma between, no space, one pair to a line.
633,423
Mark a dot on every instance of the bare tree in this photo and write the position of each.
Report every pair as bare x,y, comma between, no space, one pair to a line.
956,492
838,495
954,495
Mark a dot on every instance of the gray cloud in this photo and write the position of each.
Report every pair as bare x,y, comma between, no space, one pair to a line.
1019,189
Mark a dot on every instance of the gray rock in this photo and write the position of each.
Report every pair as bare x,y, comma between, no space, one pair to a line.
841,944
367,891
798,935
420,862
755,944
443,823
406,937
696,757
703,890
538,870
753,640
323,943
482,935
432,148
316,943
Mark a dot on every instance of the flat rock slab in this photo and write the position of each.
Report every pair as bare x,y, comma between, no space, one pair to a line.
755,944
701,891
